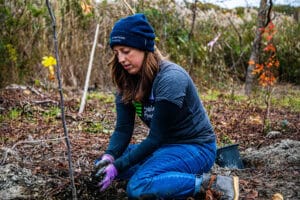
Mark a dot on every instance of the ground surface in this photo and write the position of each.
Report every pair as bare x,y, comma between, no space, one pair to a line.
34,160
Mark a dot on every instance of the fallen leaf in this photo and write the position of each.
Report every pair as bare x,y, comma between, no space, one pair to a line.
252,195
277,196
255,119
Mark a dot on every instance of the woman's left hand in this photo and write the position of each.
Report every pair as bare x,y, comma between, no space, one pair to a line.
108,173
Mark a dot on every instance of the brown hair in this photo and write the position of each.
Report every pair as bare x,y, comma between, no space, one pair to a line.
135,87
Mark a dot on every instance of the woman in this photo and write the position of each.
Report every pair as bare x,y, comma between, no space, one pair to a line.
181,145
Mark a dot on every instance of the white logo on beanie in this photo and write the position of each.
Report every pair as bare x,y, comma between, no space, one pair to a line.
118,38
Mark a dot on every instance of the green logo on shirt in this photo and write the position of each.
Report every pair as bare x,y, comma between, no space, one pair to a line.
138,108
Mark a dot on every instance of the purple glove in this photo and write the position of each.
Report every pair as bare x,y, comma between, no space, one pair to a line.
103,161
109,172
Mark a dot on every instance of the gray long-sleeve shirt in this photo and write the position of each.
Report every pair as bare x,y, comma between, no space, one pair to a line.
174,114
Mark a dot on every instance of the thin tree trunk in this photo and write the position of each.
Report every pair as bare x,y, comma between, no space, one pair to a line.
262,21
58,75
194,9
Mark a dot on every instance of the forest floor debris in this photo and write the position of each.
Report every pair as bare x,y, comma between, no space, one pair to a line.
36,167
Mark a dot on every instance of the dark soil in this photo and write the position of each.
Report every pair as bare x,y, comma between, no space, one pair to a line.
34,162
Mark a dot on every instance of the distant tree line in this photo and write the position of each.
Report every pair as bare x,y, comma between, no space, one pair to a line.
183,33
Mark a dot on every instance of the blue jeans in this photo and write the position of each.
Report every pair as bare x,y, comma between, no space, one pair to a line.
171,172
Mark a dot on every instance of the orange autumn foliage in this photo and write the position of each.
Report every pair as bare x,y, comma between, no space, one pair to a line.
270,47
265,70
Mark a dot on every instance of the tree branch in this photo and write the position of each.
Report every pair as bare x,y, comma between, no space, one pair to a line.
67,140
268,19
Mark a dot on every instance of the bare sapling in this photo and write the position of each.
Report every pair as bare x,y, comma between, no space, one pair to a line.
58,75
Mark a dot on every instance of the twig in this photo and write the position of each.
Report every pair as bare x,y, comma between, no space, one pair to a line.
128,6
87,79
269,13
48,101
74,195
32,89
194,10
23,87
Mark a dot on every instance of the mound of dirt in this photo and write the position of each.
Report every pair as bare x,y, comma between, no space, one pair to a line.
268,171
283,154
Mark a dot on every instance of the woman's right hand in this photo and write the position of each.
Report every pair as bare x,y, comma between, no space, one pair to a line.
105,160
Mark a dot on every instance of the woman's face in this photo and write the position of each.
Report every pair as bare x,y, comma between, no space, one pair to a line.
130,58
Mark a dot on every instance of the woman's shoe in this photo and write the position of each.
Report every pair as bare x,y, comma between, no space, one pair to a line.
220,187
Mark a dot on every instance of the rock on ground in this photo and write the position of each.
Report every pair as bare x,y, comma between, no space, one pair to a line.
18,183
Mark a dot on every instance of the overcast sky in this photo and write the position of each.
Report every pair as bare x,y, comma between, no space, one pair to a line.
247,3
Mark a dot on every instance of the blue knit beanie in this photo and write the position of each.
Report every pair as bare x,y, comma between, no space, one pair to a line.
133,31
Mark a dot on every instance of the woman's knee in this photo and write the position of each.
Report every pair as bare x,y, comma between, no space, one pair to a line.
138,188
